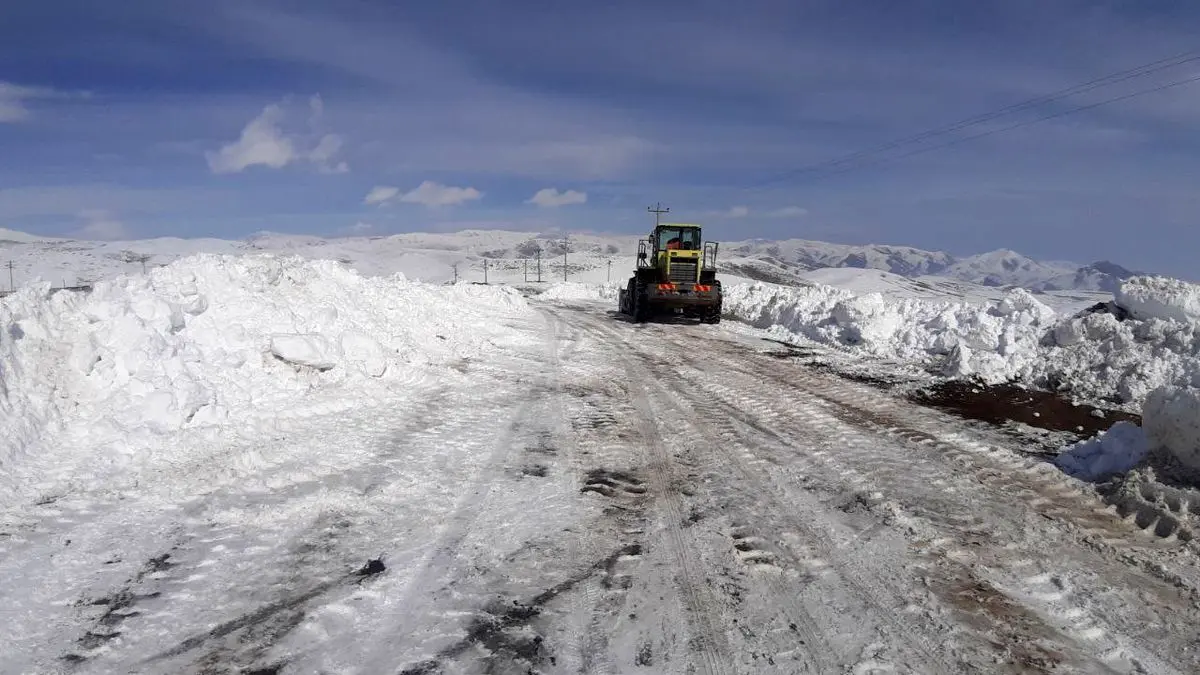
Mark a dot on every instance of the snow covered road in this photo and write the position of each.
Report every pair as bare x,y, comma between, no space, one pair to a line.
603,497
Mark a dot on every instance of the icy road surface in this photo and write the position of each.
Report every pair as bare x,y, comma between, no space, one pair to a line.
622,498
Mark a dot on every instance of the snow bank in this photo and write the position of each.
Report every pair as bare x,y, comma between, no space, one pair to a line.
1170,421
1115,451
1171,418
574,290
212,339
993,343
1160,298
1095,356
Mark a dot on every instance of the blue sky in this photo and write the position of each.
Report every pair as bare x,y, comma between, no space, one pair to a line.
150,118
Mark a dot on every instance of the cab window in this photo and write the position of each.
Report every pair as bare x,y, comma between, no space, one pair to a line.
678,238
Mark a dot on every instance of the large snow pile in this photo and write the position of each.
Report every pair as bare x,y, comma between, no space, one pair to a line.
993,343
1101,356
1172,421
1149,298
213,339
1095,356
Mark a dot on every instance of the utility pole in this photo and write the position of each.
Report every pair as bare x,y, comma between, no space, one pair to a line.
526,261
11,284
566,244
657,210
455,266
609,271
485,271
539,264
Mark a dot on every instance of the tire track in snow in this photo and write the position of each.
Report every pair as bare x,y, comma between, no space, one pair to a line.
953,554
709,639
442,559
782,501
334,545
1042,485
1045,487
563,346
1075,621
750,548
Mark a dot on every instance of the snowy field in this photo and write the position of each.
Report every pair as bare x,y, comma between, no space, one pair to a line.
305,455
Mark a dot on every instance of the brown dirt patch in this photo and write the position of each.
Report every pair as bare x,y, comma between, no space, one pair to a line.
998,404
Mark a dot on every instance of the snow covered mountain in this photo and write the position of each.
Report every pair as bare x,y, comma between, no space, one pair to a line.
504,254
810,255
778,260
1099,276
1005,268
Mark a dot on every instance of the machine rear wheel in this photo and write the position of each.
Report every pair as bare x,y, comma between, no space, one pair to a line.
641,304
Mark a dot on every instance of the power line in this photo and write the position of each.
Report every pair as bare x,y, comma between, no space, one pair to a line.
1113,78
990,132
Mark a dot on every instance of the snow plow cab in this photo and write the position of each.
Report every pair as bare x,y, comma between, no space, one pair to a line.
676,274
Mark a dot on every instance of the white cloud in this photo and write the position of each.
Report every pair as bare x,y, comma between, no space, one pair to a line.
264,142
317,105
324,152
101,225
381,194
433,194
552,198
13,98
745,211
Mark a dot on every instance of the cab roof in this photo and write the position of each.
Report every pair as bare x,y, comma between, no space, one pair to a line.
693,226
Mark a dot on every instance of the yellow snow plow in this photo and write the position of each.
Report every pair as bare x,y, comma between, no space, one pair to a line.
676,274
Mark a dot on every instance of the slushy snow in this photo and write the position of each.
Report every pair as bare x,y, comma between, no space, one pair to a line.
210,341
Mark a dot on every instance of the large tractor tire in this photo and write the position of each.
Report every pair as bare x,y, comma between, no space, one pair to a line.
713,314
641,303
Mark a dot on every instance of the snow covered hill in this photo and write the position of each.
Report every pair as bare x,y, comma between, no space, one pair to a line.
1099,276
810,255
507,255
1006,268
777,260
